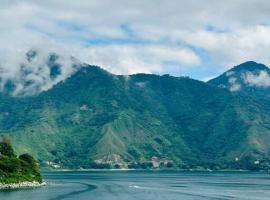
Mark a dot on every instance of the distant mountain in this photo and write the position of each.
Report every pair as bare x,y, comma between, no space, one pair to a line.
249,77
95,119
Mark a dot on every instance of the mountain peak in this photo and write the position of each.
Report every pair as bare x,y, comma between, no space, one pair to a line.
249,66
249,77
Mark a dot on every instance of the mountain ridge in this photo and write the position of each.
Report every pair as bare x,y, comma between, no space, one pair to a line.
95,119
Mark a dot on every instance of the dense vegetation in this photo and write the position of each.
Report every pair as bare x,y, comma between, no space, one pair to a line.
95,119
15,169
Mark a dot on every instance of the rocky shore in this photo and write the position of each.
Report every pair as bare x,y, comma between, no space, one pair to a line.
21,185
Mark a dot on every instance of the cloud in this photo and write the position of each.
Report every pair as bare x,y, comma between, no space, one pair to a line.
233,82
126,59
176,37
35,71
234,46
261,79
234,86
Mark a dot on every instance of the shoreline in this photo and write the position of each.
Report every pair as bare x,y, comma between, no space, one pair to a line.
150,170
21,185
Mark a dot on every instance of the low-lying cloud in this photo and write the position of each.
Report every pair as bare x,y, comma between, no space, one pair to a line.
35,71
261,79
234,86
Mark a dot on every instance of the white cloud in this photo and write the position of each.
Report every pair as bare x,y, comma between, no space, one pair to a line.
234,86
29,78
261,79
126,59
136,36
235,46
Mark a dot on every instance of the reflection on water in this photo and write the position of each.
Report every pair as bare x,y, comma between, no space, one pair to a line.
140,185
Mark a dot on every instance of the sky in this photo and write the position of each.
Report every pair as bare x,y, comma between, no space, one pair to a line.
196,38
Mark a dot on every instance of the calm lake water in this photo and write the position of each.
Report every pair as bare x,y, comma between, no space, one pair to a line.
147,185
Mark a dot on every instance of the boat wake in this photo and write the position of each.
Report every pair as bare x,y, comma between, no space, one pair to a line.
88,188
192,194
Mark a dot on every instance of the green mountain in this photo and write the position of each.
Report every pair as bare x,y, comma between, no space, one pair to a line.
250,77
95,119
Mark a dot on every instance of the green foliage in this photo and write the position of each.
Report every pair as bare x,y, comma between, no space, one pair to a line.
13,169
6,148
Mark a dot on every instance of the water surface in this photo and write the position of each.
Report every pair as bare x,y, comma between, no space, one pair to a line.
142,185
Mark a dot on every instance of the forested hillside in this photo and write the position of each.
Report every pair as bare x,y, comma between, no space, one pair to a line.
95,119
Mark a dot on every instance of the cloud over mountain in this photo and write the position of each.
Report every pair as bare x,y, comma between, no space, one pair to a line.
34,71
195,38
259,80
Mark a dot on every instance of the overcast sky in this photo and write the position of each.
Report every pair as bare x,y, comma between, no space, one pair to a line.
195,38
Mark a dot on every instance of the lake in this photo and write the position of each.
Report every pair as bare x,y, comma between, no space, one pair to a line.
147,185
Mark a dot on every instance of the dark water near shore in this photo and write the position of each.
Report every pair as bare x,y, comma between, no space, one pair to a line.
141,185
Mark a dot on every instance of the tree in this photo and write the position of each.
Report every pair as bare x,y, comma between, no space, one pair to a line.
28,158
6,148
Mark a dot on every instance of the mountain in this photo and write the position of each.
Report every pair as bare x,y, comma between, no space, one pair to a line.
95,119
250,77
